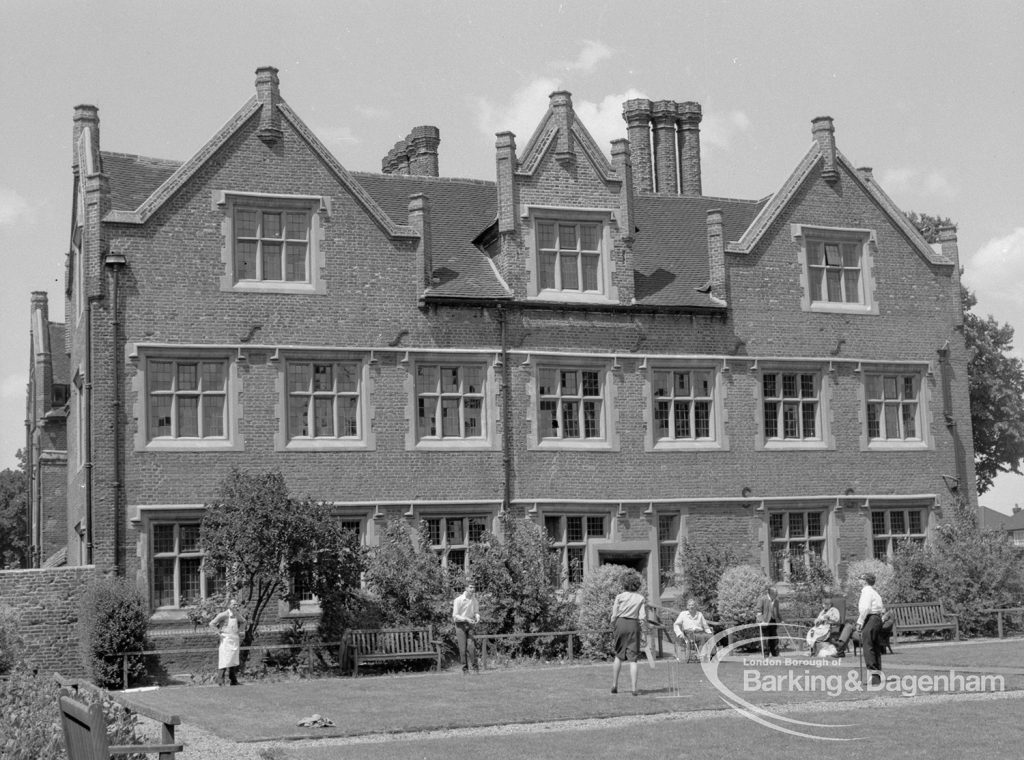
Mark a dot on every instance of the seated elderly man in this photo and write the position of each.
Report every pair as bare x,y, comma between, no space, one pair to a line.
691,625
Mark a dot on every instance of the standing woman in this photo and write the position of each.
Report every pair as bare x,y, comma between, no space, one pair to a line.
226,623
627,611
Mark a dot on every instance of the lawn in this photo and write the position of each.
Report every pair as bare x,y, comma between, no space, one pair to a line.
433,701
928,729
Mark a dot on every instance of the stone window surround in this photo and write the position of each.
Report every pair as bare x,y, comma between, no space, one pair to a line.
319,208
719,440
802,233
924,439
489,413
606,217
824,439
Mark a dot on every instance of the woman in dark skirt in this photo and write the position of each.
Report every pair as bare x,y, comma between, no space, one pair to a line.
627,611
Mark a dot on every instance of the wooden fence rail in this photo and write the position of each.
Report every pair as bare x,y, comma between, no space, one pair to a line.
998,611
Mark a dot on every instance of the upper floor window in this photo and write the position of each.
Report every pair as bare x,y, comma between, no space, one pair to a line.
272,242
836,269
187,399
571,404
186,402
683,405
893,407
570,254
792,406
890,526
323,399
450,401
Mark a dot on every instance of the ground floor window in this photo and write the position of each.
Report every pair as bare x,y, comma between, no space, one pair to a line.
890,526
569,536
178,576
450,538
794,538
668,547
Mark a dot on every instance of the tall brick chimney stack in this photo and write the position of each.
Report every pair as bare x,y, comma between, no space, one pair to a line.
86,121
268,93
421,149
663,113
637,115
716,253
825,135
565,117
690,116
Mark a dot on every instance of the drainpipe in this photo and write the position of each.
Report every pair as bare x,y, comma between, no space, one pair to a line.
115,262
506,421
87,432
27,560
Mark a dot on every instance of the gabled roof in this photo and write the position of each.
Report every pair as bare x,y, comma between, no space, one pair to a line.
803,173
546,133
460,209
670,252
134,178
184,172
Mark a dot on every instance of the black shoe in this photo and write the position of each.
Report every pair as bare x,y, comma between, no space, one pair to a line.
615,690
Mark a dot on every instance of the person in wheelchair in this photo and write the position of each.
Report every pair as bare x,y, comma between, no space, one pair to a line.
691,627
826,626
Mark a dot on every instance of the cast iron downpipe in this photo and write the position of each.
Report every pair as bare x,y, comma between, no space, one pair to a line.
116,262
87,431
506,422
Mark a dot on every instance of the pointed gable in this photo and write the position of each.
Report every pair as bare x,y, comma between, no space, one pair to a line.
824,161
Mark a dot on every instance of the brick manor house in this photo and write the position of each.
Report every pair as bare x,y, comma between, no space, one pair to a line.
592,344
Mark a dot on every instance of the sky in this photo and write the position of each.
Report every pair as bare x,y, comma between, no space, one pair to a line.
930,93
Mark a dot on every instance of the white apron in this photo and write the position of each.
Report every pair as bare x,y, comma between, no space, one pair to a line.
227,655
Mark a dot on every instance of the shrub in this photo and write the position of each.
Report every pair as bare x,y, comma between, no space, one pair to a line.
885,583
30,723
965,568
810,582
739,590
10,640
703,564
518,580
596,594
112,619
408,582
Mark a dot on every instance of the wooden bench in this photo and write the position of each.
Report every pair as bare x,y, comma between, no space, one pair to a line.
383,644
923,617
85,733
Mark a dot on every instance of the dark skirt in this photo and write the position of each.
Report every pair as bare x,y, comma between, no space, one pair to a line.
627,639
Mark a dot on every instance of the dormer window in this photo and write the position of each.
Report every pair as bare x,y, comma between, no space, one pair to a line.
569,254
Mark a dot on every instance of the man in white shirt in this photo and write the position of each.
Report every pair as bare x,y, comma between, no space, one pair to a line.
869,623
691,623
466,614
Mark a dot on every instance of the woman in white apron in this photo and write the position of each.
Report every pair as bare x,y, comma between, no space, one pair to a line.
226,623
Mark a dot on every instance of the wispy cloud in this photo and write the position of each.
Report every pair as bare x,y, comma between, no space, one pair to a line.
371,112
995,273
589,57
335,138
907,182
718,130
521,113
12,207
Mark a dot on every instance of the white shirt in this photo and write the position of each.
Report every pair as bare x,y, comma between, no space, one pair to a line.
870,604
465,610
688,622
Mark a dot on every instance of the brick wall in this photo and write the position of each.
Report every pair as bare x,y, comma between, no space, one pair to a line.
45,603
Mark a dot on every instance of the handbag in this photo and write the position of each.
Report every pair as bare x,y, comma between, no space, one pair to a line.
888,620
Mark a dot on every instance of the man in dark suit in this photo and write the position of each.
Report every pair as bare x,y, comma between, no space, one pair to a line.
769,618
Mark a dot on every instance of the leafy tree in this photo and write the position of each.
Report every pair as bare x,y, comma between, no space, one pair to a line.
405,575
964,567
739,590
258,538
519,580
996,380
112,619
13,515
811,581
